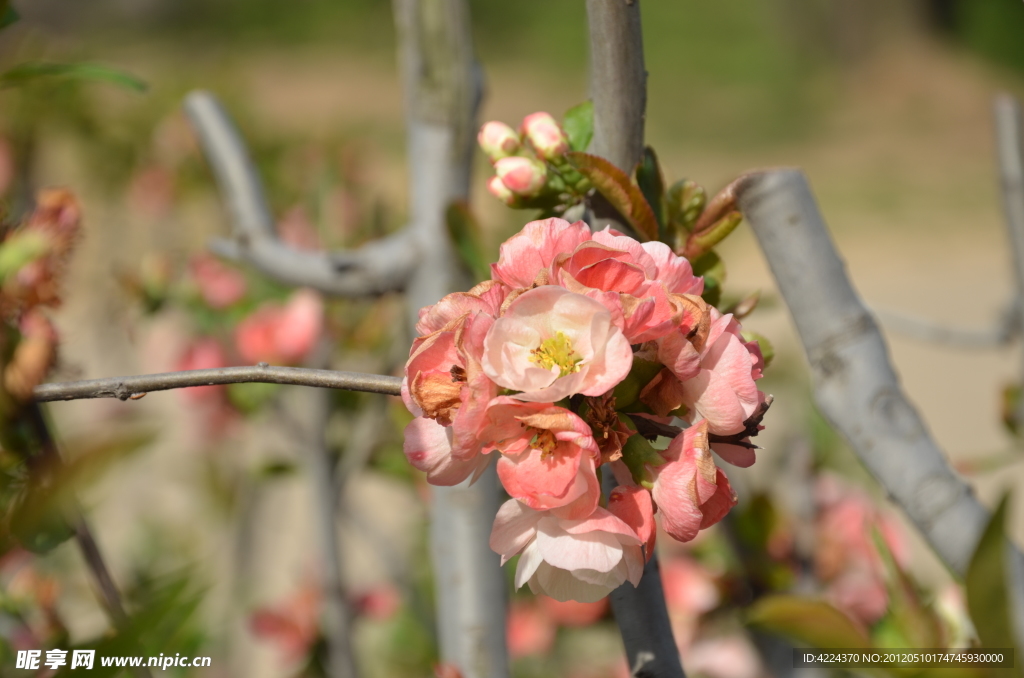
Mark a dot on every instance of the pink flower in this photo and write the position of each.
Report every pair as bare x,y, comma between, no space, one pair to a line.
545,135
634,506
428,447
528,629
443,377
548,455
522,176
498,140
650,286
690,491
203,354
551,343
717,374
582,560
220,285
529,253
281,334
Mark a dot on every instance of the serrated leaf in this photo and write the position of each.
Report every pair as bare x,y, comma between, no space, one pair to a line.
26,73
807,620
652,184
988,599
578,124
615,186
465,234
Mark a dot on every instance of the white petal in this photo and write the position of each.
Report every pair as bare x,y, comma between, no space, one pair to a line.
562,586
596,550
528,564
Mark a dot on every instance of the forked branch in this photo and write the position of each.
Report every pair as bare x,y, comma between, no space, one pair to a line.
377,267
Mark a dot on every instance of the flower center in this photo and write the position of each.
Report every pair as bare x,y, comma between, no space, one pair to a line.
543,440
556,351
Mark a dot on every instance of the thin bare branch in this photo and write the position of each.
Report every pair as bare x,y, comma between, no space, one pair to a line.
377,267
134,387
854,382
933,332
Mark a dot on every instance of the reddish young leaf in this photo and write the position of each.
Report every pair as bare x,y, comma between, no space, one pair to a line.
616,187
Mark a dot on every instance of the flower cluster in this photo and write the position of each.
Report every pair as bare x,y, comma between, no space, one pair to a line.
529,165
580,349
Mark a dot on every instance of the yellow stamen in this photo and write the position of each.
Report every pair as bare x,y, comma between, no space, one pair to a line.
557,351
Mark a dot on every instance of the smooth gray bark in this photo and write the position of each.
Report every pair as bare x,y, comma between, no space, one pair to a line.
855,384
443,87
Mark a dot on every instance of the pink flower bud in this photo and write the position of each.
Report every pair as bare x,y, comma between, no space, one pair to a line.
500,191
523,176
498,140
545,135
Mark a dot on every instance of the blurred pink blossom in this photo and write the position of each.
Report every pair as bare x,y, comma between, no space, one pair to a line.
529,630
278,334
219,284
379,602
292,624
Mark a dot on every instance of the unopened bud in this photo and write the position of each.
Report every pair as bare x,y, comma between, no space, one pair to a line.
498,140
544,134
522,176
500,191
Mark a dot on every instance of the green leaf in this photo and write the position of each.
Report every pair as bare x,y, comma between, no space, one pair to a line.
712,268
988,598
807,620
705,240
640,374
8,15
917,624
652,184
465,232
20,249
39,519
578,124
26,73
615,186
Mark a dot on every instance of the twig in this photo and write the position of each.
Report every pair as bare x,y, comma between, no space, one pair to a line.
1010,152
923,329
854,382
125,388
377,267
